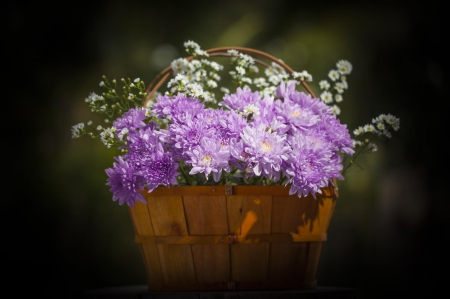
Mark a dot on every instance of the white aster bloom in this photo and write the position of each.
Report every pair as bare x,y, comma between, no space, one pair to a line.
369,128
326,97
373,147
333,75
324,84
211,83
240,70
339,87
336,110
233,52
338,98
344,67
304,76
250,110
253,68
381,126
358,131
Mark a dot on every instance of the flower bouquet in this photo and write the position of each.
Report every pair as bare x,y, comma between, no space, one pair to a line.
252,161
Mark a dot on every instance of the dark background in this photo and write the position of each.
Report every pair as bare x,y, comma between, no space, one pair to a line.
61,232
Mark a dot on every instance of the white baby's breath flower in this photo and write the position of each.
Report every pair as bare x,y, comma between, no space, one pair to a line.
240,70
215,66
224,90
233,52
326,97
268,91
323,84
260,82
274,79
333,75
357,143
387,134
372,147
381,126
369,128
191,44
137,80
335,110
246,80
77,130
358,131
179,65
339,87
89,123
304,76
396,125
253,68
250,110
338,98
344,67
211,84
194,90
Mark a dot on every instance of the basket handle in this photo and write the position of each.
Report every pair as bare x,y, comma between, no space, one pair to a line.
220,52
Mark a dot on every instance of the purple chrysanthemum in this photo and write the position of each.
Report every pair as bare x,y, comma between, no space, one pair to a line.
131,120
174,105
124,183
312,164
209,156
266,150
160,169
241,99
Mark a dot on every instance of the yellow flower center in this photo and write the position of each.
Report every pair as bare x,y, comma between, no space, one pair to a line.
266,146
295,113
207,159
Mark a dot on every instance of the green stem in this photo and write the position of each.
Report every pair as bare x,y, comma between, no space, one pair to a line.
186,177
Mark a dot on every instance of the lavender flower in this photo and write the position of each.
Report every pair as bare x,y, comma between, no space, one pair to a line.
124,183
209,156
265,151
131,120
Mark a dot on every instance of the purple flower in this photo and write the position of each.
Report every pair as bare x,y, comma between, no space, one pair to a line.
174,105
209,156
187,135
131,120
338,134
160,169
241,99
266,150
124,183
312,164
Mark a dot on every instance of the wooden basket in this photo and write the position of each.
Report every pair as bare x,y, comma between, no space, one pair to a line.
231,237
196,238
